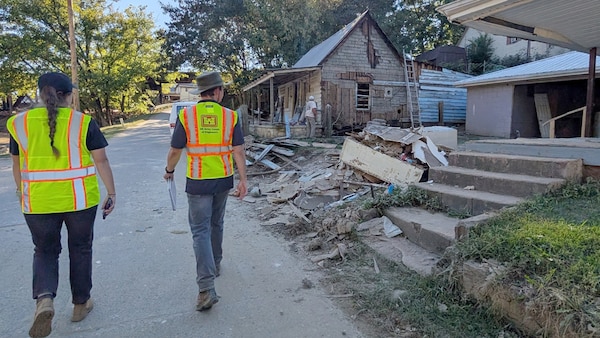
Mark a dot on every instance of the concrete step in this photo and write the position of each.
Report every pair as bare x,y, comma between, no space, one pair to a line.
398,249
432,231
574,148
473,202
418,225
569,169
497,183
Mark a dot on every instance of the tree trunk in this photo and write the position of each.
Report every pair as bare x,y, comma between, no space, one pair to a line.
101,118
109,117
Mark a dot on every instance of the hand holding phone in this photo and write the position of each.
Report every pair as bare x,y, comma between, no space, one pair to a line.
108,205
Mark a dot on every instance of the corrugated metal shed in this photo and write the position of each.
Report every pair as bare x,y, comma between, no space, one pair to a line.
567,66
438,86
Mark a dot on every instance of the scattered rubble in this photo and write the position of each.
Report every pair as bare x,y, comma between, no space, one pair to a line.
311,188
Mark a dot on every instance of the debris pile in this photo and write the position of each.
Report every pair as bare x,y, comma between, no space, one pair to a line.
310,190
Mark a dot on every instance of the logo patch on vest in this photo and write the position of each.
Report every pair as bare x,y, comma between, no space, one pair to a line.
209,121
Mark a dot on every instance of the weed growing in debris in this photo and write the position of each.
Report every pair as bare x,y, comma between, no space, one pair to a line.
410,196
551,244
401,303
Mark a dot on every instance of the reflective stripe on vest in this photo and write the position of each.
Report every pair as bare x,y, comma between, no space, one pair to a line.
209,153
77,184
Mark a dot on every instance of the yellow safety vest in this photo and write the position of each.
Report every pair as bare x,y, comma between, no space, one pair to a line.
50,184
209,129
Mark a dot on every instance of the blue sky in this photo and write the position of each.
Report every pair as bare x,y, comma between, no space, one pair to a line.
152,6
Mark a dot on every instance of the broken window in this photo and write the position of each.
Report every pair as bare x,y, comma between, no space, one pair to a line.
363,96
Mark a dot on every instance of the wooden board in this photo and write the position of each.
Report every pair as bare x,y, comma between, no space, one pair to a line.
380,165
542,108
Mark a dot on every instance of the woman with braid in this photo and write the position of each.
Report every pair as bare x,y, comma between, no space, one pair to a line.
56,154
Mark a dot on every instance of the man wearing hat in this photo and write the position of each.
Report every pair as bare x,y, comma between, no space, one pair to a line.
213,138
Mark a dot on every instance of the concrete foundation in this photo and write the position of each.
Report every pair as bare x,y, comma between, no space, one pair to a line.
278,130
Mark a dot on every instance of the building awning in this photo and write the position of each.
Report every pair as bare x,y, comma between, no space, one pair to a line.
280,76
572,24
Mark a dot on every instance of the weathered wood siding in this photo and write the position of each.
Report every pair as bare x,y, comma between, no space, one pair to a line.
362,55
296,93
436,87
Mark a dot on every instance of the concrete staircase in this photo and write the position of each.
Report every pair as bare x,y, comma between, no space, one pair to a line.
479,184
475,183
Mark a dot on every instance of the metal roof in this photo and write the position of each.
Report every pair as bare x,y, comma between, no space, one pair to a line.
318,53
567,66
309,61
315,57
573,24
280,76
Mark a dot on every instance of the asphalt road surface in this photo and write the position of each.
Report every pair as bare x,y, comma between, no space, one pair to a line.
144,269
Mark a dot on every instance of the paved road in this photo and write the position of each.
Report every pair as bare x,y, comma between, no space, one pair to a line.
144,275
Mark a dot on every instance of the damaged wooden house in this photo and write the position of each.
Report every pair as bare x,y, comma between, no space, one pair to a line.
355,76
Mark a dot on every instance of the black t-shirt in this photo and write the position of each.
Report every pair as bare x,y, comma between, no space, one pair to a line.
206,186
95,139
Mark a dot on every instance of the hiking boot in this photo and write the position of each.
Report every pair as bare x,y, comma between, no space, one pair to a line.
80,311
42,321
206,299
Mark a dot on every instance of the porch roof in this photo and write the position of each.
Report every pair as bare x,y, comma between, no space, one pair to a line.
571,24
280,76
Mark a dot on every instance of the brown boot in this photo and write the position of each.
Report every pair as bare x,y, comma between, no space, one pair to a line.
42,321
80,311
206,299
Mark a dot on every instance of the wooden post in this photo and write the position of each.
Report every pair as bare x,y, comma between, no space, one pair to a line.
72,47
590,94
243,113
441,112
271,99
327,123
258,104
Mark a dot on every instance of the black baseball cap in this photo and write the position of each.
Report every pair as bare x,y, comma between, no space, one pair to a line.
58,81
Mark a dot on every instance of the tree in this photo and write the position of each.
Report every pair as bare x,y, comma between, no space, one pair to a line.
236,36
116,51
480,52
416,27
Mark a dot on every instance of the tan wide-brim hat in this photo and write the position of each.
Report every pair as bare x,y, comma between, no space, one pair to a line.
206,81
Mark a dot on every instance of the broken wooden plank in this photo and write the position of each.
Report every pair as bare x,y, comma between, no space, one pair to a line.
294,142
287,160
367,183
298,212
324,145
275,149
266,162
380,165
264,152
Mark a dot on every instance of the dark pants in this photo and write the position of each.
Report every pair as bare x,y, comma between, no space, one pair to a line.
45,232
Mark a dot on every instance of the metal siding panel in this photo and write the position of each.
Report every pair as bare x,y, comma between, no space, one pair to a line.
440,88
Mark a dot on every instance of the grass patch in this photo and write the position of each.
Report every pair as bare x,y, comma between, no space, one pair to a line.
550,243
401,303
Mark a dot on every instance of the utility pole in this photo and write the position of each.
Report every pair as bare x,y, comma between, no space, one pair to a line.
72,47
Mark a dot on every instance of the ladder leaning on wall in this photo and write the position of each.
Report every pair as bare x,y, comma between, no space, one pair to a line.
412,91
